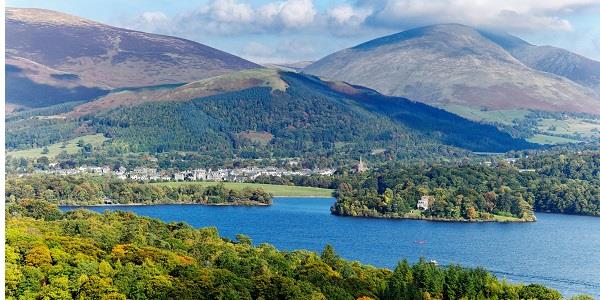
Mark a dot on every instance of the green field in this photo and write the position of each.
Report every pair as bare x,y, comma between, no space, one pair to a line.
550,140
500,116
571,126
54,149
276,190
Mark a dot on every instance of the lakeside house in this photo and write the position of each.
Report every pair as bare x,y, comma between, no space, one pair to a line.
424,202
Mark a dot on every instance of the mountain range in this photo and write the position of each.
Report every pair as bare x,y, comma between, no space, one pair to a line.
452,64
69,77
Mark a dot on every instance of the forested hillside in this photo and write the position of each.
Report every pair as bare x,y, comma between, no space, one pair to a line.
81,254
308,118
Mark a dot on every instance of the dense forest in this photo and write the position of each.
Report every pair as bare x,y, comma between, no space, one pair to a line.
566,182
309,118
90,190
86,255
455,193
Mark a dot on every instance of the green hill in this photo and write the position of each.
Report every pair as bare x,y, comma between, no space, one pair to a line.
309,117
270,114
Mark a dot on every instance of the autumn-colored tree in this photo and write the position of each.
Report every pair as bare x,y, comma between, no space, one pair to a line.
38,256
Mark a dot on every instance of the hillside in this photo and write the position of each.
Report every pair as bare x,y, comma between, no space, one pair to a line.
54,57
456,65
265,113
306,115
550,59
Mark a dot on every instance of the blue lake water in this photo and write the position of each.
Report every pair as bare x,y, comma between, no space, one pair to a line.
558,250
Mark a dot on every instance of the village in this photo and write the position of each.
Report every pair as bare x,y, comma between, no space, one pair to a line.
224,174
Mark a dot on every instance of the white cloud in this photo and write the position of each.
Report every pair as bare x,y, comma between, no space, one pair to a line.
507,14
154,16
236,16
348,22
347,15
355,17
228,11
297,13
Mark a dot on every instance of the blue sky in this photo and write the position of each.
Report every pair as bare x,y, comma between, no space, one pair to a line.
295,30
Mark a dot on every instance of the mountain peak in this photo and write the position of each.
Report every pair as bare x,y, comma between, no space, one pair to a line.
453,64
430,31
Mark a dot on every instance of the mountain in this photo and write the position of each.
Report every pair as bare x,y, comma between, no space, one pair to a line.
272,113
454,64
52,57
550,59
284,113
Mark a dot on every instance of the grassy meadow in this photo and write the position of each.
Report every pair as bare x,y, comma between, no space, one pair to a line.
276,190
69,146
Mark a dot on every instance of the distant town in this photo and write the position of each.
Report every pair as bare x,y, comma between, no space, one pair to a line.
225,174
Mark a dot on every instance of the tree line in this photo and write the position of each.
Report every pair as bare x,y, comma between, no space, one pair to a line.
90,190
559,182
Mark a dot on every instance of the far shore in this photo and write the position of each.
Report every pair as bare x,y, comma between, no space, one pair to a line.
168,203
188,203
445,220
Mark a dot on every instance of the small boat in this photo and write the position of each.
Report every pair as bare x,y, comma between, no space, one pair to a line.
420,242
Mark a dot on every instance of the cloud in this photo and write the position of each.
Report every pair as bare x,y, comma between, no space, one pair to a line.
520,15
287,50
150,21
347,15
233,17
357,17
297,13
347,22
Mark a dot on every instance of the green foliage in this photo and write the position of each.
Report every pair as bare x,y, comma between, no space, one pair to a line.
309,118
467,192
118,255
567,182
90,190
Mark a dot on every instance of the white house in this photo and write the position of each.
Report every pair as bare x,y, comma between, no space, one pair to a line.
424,202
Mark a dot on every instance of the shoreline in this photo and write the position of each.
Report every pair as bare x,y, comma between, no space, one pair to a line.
441,220
281,196
171,203
188,203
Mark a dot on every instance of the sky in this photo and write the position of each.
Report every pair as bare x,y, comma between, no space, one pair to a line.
268,31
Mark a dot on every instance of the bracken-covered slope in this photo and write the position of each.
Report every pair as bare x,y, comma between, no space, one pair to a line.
266,112
64,53
454,65
550,59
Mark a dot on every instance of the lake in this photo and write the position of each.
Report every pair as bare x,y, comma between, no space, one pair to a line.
559,251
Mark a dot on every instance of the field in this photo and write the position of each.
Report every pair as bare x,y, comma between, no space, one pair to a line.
550,140
276,190
571,126
499,116
70,147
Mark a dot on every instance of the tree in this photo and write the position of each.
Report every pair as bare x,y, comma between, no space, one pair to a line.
38,256
471,213
243,239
